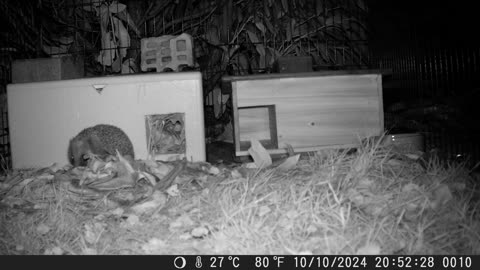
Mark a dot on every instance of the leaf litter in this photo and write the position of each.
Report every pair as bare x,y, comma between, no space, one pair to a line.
371,200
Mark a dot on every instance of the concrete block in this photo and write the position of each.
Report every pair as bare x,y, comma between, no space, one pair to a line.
47,69
160,53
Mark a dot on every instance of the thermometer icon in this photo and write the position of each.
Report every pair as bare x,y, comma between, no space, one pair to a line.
198,262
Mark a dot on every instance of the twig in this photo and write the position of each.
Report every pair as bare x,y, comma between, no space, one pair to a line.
192,17
241,29
170,177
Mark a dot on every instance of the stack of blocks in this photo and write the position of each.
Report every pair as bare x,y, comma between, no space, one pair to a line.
167,52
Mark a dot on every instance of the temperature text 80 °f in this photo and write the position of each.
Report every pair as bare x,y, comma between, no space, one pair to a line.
265,262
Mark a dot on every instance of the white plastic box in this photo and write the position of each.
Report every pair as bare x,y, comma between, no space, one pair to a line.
44,116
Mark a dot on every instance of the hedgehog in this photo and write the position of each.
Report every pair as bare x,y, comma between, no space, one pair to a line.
101,140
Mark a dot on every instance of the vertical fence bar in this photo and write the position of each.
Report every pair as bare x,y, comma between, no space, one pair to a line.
444,73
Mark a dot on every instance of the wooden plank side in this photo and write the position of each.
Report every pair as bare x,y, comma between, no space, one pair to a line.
325,129
381,125
319,104
336,86
315,111
302,149
228,79
235,126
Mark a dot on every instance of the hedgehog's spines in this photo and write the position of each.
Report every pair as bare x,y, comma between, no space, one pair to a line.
101,140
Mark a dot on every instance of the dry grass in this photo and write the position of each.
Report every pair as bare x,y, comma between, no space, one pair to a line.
372,201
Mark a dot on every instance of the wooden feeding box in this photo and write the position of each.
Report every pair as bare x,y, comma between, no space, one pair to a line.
309,111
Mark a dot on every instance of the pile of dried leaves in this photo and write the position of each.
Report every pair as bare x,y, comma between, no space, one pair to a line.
372,200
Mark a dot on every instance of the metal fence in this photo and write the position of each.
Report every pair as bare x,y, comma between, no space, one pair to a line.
5,77
434,71
444,83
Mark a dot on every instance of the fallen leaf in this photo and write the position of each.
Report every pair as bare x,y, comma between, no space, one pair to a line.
374,210
205,192
55,167
236,174
413,156
157,200
195,210
304,253
289,163
251,165
290,150
95,164
46,177
214,170
441,195
126,166
365,182
173,190
356,197
93,231
260,26
369,249
200,232
291,214
118,212
57,251
459,186
43,229
99,217
109,183
90,237
133,220
41,206
259,154
410,187
185,236
154,245
26,182
361,164
395,162
202,179
150,178
62,177
182,221
312,229
13,201
264,210
89,251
